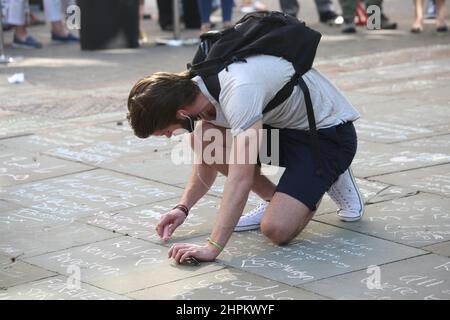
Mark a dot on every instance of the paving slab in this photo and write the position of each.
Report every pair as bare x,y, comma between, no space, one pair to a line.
371,191
140,222
27,232
376,159
85,193
227,284
321,251
415,113
417,221
420,278
13,273
92,135
18,167
442,248
438,143
57,288
104,152
433,179
389,132
6,206
121,265
156,165
20,124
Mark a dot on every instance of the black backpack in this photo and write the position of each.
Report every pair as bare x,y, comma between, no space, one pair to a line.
270,33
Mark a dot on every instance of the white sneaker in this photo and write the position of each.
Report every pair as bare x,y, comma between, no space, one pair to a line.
345,193
252,219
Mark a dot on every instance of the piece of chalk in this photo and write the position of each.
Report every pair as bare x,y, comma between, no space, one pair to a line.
166,233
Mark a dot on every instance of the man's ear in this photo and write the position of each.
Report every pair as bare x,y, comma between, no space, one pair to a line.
181,114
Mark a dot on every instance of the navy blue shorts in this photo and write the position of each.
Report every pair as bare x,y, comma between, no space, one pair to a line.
337,147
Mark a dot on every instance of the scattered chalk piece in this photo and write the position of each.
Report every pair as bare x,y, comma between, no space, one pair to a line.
190,261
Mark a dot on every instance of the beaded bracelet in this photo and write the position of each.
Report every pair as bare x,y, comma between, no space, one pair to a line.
183,208
215,244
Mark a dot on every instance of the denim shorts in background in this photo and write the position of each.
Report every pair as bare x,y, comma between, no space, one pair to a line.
337,147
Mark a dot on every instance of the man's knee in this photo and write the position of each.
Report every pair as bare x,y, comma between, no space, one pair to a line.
277,233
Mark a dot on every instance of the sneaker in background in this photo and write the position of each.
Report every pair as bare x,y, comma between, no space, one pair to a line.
28,43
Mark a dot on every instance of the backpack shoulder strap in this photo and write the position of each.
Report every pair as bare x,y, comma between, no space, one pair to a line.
212,85
312,126
282,94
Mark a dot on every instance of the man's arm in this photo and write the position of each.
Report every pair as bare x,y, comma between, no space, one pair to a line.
201,179
238,183
237,187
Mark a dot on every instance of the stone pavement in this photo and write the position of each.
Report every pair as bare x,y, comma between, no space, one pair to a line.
78,189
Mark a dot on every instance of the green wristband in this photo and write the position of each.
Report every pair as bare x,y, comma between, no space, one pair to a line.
215,244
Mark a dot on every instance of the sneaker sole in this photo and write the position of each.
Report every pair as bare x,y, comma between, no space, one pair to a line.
247,228
23,46
361,202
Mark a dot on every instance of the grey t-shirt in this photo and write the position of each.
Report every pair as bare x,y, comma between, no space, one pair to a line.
246,88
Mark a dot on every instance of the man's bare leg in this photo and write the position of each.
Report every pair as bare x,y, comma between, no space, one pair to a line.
262,186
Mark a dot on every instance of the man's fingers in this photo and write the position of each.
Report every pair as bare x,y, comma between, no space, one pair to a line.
164,221
180,253
173,227
174,249
166,234
186,255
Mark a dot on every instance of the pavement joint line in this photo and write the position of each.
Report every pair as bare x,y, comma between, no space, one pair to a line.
354,271
232,269
17,136
426,192
172,281
104,289
114,213
40,279
370,235
405,170
121,233
139,177
437,134
69,159
113,236
47,178
416,192
376,194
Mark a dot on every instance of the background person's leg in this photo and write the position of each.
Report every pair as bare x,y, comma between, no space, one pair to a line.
227,8
290,7
348,13
16,17
418,13
440,17
16,12
204,7
327,12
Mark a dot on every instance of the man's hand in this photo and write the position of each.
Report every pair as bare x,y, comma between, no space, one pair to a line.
170,221
181,251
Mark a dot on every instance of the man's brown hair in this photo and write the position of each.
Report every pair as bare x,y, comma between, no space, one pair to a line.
153,101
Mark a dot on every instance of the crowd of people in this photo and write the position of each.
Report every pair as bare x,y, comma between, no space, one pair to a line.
17,16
